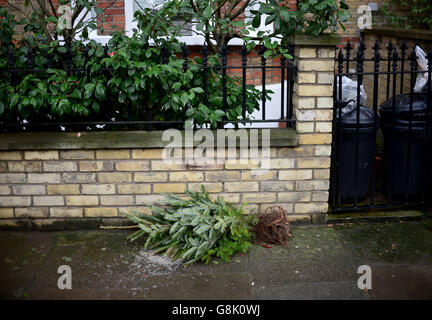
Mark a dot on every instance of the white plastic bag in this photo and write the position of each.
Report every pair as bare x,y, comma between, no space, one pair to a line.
349,95
422,78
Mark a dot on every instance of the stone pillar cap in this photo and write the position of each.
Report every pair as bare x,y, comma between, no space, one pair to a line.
326,39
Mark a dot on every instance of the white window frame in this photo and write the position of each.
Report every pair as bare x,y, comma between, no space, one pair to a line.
262,27
92,34
130,25
193,40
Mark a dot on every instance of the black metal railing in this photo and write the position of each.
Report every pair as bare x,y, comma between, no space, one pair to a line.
103,120
381,155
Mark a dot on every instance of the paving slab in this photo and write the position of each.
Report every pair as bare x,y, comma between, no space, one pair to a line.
22,256
230,286
313,254
388,243
313,291
94,257
377,216
402,282
318,262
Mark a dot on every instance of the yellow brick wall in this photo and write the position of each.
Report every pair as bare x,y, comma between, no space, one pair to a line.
59,184
103,183
352,31
385,81
313,105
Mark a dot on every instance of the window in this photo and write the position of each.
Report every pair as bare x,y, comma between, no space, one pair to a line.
254,5
131,6
93,34
138,5
188,36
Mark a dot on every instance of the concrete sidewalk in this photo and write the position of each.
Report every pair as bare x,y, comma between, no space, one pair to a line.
319,262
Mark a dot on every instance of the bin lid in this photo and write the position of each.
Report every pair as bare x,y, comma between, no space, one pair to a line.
366,118
402,105
404,126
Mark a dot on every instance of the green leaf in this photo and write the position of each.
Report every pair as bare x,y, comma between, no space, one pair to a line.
190,112
176,85
237,23
85,33
267,54
270,19
285,15
256,22
202,229
51,19
277,23
343,5
198,90
207,13
15,100
200,26
189,253
174,227
184,98
100,91
96,107
219,113
89,89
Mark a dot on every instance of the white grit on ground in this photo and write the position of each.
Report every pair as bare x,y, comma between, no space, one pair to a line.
154,264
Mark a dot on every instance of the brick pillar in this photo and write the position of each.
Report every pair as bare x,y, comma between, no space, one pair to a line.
313,107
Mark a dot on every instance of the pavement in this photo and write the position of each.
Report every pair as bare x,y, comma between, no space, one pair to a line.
319,262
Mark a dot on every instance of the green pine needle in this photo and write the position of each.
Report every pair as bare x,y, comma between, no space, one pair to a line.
195,228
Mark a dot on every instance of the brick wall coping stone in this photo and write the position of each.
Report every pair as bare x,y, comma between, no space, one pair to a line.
326,39
279,137
419,34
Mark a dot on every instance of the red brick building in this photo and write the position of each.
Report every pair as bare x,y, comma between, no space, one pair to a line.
119,16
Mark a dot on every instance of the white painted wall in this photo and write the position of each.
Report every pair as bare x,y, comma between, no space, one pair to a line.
273,108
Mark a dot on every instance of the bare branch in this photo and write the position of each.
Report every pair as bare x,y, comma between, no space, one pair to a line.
42,5
80,8
33,7
210,44
231,8
217,10
45,13
16,8
240,10
81,20
77,11
138,4
239,36
194,7
53,8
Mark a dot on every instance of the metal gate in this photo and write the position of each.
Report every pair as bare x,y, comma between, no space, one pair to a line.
382,133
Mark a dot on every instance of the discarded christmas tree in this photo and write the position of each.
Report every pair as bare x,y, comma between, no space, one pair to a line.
195,228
